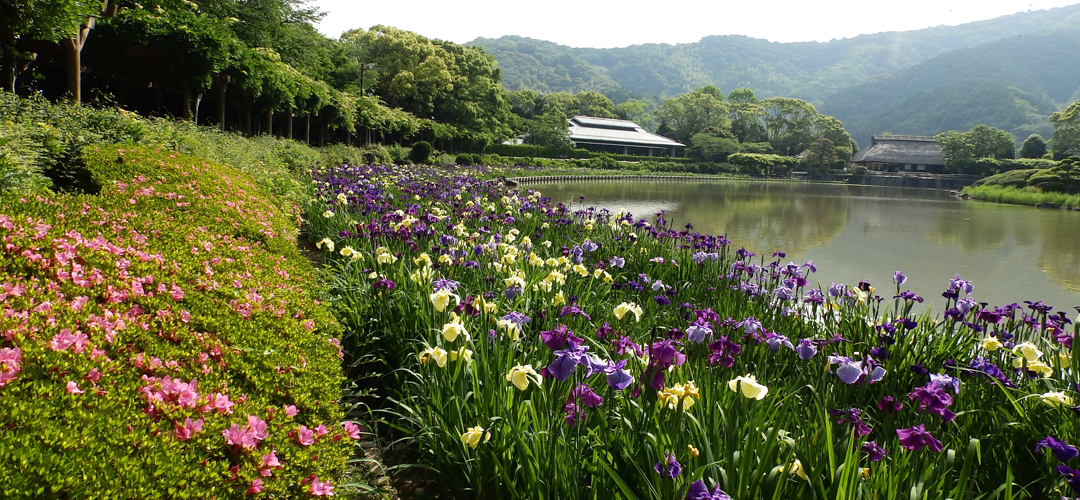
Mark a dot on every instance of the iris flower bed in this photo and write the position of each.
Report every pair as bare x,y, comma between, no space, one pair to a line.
159,340
549,351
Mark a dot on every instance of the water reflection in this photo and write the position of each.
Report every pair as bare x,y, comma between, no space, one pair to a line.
867,232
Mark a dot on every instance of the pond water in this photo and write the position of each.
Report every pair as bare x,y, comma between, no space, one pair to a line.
1011,253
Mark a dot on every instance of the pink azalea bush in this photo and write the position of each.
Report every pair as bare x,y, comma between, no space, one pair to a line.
160,340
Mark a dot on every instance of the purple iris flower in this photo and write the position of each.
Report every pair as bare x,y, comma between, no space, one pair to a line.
698,491
874,452
517,318
384,283
945,382
618,262
445,284
899,278
1072,476
966,304
624,344
782,293
961,284
806,349
698,330
991,371
663,354
852,417
851,372
618,378
750,325
575,310
566,360
916,438
604,330
723,351
814,296
933,399
836,290
589,246
575,255
662,300
671,469
512,292
810,265
1062,449
775,340
559,337
890,404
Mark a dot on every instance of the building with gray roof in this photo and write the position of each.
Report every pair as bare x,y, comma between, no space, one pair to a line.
899,153
608,135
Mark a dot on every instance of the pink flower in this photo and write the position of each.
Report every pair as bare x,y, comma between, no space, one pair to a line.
177,293
305,436
257,428
66,340
291,411
352,430
10,358
219,402
78,303
73,388
321,430
270,460
321,488
236,436
188,428
256,487
93,376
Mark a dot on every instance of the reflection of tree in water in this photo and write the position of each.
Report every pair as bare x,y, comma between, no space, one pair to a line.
1061,250
771,217
763,217
976,230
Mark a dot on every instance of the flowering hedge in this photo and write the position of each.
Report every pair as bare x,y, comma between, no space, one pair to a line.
158,340
548,351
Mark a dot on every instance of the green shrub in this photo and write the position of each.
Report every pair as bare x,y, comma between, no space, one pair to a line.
465,159
421,152
180,279
859,170
442,159
604,162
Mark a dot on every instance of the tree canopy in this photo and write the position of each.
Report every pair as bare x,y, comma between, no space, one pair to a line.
982,141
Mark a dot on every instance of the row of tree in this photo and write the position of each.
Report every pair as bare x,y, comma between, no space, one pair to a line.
964,151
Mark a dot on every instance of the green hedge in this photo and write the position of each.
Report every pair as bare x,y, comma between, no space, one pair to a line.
128,314
524,150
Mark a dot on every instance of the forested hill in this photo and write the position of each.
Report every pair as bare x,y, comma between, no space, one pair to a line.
810,71
1011,84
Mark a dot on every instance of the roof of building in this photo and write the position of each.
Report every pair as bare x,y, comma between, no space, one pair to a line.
914,149
610,131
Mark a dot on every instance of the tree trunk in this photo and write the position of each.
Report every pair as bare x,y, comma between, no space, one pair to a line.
269,122
222,85
198,102
288,120
307,128
185,101
322,131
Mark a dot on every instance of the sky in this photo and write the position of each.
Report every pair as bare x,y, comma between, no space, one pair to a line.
606,24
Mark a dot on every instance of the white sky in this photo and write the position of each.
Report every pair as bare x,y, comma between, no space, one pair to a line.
606,23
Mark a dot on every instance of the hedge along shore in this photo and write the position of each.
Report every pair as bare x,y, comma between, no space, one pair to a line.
1025,196
160,339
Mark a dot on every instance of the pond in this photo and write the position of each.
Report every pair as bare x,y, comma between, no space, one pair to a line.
851,233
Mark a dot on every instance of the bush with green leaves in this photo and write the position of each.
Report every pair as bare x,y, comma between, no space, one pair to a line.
465,159
160,339
421,152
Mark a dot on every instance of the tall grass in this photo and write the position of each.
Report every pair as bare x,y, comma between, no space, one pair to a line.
1025,196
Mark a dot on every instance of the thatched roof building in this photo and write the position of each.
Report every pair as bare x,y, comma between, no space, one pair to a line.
893,153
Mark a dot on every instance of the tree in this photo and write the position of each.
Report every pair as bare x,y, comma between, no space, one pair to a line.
1033,147
712,147
820,155
27,26
747,116
959,149
635,111
788,123
593,103
1066,139
550,130
692,113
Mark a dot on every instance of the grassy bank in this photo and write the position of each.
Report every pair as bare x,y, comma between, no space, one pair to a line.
160,339
1023,196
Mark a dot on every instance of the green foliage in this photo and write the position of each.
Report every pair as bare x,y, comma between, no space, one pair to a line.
180,271
821,155
859,170
961,149
524,150
421,152
549,130
604,162
762,164
465,159
46,140
1033,147
692,113
1066,139
1023,196
712,148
